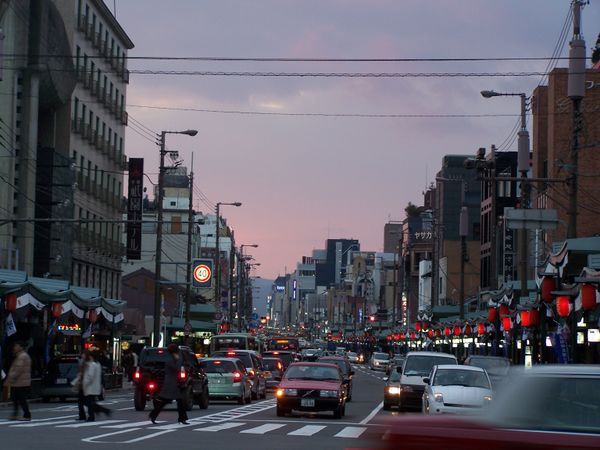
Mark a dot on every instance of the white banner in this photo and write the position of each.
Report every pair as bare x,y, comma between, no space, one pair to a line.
10,326
28,299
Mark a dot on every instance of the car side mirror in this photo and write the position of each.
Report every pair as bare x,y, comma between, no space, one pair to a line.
399,369
426,380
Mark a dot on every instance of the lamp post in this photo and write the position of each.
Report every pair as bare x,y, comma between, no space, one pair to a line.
523,168
159,224
240,287
218,254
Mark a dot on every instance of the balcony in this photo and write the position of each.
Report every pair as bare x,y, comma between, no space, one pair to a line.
126,76
82,25
90,31
124,118
124,163
98,41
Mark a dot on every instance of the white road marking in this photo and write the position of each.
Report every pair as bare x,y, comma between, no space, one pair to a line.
221,426
372,414
350,432
89,424
93,438
126,409
14,422
307,430
143,438
263,428
133,424
41,424
174,426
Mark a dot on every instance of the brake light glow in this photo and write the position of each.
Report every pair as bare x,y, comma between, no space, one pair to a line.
276,353
237,376
280,366
252,372
151,386
230,353
182,373
216,363
137,375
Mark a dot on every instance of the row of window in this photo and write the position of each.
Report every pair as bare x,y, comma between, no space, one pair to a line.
111,231
98,175
92,276
93,127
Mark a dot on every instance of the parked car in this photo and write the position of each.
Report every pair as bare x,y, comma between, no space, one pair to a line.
346,369
227,379
418,365
308,386
544,407
287,356
276,368
58,376
497,367
150,373
253,363
456,389
379,361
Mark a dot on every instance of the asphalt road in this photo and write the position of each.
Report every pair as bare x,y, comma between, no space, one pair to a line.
223,426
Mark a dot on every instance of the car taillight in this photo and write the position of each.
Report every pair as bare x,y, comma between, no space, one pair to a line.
182,374
252,372
137,375
237,376
230,353
151,386
279,366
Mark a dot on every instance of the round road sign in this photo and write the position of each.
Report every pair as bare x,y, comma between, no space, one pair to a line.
202,273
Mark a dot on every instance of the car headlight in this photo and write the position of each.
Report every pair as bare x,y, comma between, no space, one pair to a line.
329,393
394,390
290,392
438,397
487,398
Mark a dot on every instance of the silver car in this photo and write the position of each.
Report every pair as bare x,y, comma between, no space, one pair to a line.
379,361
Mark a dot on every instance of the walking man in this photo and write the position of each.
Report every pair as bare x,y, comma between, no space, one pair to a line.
92,386
19,380
171,389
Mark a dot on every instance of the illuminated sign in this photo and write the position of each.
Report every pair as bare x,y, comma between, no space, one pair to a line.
134,208
280,288
295,287
71,330
202,271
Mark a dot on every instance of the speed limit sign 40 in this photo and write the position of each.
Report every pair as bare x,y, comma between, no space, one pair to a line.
202,272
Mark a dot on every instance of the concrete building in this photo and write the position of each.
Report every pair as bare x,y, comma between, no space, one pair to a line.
68,114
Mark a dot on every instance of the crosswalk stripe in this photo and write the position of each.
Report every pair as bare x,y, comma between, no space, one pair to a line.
174,426
220,427
12,422
307,430
133,424
262,429
41,424
350,432
89,424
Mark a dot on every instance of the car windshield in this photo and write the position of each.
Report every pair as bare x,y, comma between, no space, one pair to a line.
337,362
417,365
493,366
467,378
352,354
380,356
550,403
287,358
301,372
218,366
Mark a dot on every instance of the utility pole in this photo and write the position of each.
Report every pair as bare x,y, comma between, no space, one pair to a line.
217,262
190,232
158,256
576,92
463,231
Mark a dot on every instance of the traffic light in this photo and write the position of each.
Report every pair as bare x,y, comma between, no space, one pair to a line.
372,318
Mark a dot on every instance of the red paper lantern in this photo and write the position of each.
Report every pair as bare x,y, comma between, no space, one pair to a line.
507,323
468,329
425,325
430,333
588,296
503,311
438,333
10,302
492,314
402,336
456,330
534,317
56,310
525,318
92,316
447,331
418,326
563,306
548,285
413,336
389,337
480,329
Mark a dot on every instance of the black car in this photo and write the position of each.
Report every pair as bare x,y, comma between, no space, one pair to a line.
346,369
58,376
286,356
150,374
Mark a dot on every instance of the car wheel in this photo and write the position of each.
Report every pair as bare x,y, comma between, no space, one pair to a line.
264,392
188,399
249,398
338,412
139,400
281,412
387,406
255,394
204,399
242,398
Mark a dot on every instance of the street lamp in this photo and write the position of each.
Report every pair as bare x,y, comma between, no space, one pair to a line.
523,168
218,254
159,224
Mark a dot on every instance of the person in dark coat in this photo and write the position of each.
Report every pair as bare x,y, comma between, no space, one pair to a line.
171,389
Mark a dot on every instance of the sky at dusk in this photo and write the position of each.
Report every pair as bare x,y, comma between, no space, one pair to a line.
327,165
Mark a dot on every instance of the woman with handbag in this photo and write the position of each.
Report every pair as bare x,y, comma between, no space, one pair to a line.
171,390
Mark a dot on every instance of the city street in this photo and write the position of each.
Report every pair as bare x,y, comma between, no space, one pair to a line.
224,425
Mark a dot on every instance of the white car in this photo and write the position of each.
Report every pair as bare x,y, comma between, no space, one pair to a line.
352,357
379,361
457,390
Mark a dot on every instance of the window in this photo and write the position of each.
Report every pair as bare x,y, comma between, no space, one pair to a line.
77,59
81,163
75,110
176,224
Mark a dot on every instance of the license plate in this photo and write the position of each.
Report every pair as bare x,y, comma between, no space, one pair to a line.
61,381
217,381
307,402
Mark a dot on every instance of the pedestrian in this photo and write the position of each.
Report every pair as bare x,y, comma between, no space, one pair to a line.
19,380
171,389
78,386
91,382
